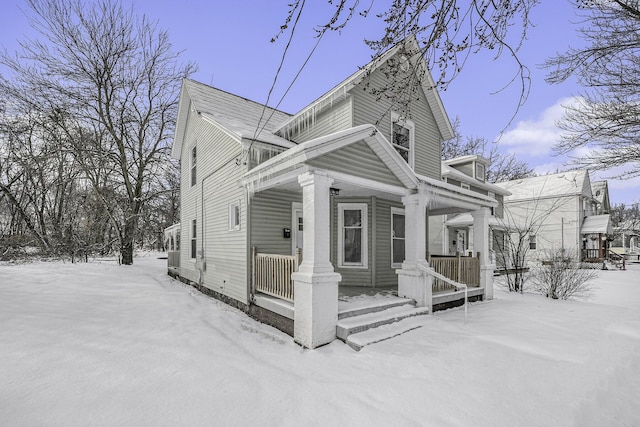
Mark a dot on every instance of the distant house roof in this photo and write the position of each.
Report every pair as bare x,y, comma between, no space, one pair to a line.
596,224
448,171
553,185
340,91
238,116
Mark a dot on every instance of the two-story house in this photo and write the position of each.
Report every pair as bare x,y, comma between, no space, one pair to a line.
567,212
280,212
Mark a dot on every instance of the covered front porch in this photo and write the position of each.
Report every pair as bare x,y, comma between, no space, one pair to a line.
362,226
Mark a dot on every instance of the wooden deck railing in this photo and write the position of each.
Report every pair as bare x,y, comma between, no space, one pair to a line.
460,269
272,273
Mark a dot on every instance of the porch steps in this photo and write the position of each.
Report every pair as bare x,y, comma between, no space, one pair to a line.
383,323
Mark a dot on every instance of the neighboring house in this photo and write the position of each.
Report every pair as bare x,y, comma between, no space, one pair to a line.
338,195
565,213
453,234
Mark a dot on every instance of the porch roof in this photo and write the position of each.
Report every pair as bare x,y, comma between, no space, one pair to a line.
283,170
466,220
597,224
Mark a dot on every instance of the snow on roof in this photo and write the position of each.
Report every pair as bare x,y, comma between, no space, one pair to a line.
554,185
237,115
467,159
340,91
597,224
448,171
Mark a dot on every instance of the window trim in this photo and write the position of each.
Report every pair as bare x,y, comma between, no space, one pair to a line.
192,166
481,176
234,221
364,237
194,239
533,242
396,211
410,125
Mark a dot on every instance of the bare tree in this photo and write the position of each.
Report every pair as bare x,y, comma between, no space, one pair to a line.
606,118
448,32
112,80
503,167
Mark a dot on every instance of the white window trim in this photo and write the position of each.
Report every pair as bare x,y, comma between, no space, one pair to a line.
396,211
193,178
364,209
193,234
484,172
233,226
409,124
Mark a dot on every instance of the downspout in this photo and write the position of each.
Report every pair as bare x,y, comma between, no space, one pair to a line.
203,265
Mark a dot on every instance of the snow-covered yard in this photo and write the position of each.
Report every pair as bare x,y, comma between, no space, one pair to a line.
98,344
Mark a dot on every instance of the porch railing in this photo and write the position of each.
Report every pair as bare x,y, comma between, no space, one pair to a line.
459,269
272,273
592,254
454,285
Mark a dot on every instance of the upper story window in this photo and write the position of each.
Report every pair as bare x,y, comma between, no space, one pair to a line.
193,166
193,239
403,137
480,172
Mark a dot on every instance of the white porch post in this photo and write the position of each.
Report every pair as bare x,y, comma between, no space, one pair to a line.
315,283
481,244
411,280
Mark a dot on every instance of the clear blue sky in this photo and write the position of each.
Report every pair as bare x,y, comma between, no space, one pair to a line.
230,41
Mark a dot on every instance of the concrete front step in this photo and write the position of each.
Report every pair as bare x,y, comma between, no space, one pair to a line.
384,332
373,306
356,324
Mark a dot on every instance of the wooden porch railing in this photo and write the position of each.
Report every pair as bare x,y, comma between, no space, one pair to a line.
272,273
460,269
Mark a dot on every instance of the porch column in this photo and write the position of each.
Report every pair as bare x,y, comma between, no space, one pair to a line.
413,282
315,283
481,244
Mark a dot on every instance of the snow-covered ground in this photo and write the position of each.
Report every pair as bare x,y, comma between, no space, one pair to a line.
103,345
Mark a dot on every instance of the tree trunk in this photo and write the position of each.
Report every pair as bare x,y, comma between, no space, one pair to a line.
127,240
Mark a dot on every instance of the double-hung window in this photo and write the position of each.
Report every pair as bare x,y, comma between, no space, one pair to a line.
533,243
397,237
403,137
193,238
352,235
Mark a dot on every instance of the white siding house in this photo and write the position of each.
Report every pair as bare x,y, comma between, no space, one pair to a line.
281,214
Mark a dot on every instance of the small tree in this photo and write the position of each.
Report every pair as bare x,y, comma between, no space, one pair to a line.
559,276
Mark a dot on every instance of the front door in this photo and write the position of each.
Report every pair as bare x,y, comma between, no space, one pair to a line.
297,234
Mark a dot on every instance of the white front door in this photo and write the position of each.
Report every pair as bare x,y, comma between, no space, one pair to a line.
297,227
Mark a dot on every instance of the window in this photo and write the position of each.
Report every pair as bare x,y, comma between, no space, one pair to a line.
465,186
193,166
402,137
397,237
193,238
352,239
533,244
480,171
234,216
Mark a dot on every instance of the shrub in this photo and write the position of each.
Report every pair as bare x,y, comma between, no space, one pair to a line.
559,276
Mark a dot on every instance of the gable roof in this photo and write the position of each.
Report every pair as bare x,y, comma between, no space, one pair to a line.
341,90
554,185
317,147
239,117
